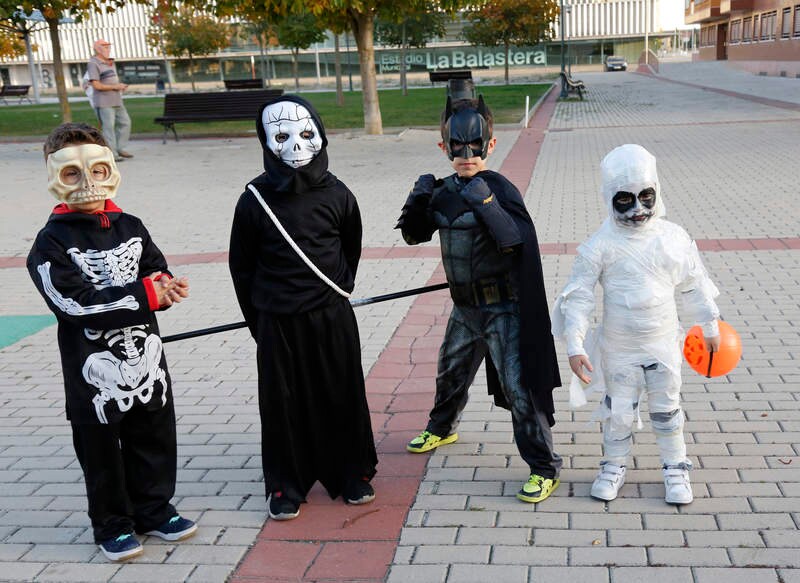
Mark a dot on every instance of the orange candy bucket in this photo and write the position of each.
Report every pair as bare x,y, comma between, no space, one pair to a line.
713,364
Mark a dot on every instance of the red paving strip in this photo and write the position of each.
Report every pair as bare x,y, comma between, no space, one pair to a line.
334,542
377,253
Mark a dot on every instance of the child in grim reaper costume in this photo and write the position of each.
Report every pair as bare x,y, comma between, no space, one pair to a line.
294,250
640,259
491,259
103,277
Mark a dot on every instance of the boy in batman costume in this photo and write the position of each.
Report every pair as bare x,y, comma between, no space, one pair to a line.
491,259
315,422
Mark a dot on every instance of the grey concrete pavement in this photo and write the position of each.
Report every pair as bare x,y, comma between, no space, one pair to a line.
728,169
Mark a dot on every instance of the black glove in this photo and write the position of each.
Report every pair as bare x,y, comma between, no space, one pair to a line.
415,221
499,223
477,193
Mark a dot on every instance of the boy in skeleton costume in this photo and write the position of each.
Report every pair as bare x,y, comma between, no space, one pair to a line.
491,259
103,277
640,260
315,420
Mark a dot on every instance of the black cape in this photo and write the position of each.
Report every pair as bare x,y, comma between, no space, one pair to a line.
540,373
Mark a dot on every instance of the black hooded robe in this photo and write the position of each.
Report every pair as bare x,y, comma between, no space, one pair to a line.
315,422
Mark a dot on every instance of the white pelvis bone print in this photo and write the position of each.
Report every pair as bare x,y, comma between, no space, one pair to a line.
130,367
291,133
127,371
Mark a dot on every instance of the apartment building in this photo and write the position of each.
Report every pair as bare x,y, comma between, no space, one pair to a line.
762,36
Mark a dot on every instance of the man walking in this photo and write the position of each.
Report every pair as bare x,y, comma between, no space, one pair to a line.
107,100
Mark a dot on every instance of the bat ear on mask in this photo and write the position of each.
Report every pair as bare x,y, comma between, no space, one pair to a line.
448,109
482,107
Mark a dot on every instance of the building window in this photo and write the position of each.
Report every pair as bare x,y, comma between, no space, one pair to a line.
736,32
797,20
786,22
755,28
747,25
768,25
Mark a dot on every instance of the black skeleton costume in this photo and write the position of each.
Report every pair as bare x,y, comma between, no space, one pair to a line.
92,270
314,415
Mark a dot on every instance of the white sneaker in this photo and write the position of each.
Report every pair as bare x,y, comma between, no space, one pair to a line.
676,483
608,482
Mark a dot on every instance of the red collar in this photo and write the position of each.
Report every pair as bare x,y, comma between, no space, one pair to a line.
63,209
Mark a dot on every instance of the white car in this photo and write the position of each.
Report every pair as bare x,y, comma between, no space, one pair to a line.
616,64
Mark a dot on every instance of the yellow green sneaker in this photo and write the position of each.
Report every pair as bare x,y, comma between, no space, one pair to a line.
537,488
427,441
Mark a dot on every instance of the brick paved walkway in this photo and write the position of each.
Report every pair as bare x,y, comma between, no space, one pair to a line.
727,165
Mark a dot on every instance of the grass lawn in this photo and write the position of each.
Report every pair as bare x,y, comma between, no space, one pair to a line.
420,108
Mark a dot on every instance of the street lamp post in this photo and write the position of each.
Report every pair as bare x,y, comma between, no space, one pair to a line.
564,91
564,11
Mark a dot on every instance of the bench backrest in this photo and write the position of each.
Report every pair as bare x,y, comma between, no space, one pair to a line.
15,89
244,83
225,104
446,74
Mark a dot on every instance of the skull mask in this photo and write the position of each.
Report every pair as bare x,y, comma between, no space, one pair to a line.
291,133
84,173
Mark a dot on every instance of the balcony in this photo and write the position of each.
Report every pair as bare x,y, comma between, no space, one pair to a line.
727,7
704,10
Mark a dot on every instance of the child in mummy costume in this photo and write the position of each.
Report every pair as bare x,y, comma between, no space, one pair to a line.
294,251
104,278
640,259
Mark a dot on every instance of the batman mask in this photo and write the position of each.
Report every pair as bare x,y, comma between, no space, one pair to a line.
466,132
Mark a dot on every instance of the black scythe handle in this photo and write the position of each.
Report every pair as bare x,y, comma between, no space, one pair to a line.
354,303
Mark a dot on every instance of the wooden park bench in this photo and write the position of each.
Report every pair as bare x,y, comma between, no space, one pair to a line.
438,75
216,106
572,85
20,91
244,84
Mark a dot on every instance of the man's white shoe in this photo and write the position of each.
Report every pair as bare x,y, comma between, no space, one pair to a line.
677,485
608,482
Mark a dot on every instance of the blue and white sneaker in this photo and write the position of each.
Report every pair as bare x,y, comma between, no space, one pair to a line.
121,548
176,528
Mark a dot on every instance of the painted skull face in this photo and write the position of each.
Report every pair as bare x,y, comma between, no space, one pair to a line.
291,133
81,174
634,210
631,188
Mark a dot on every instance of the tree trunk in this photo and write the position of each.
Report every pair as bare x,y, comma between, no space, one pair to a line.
363,30
191,72
61,86
403,81
337,67
261,62
508,50
295,53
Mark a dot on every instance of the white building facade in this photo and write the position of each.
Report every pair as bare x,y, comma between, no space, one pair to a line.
593,28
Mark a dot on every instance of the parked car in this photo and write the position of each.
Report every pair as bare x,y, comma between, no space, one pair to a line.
614,63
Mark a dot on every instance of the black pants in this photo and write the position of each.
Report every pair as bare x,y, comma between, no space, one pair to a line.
472,334
130,470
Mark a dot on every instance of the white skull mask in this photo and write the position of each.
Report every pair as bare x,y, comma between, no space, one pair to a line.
80,174
291,133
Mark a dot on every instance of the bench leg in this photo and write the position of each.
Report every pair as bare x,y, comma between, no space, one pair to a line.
172,125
